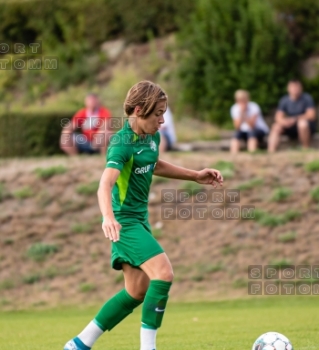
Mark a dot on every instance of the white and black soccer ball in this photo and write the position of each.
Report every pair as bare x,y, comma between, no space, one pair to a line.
272,341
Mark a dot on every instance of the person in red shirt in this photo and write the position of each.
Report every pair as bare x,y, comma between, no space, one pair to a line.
89,129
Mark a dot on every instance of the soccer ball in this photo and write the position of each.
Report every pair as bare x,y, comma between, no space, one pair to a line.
272,341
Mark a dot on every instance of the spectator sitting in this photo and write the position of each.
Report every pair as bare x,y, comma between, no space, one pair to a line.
93,122
167,131
295,117
248,121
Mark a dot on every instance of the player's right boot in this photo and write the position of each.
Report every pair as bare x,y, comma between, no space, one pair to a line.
75,344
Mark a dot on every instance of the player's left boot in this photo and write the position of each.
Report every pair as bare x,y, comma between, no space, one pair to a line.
75,344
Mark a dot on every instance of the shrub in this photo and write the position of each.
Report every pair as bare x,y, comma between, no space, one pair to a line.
214,268
315,194
312,166
267,219
81,228
32,278
279,264
230,45
31,134
301,19
240,283
87,287
4,194
88,189
287,237
226,168
229,250
23,193
46,173
7,284
281,194
39,251
251,184
192,187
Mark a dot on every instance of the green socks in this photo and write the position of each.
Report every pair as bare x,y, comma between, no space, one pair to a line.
115,310
122,304
155,303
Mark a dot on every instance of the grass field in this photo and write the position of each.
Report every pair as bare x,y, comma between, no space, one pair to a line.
227,325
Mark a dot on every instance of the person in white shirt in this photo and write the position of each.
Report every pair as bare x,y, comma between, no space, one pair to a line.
167,131
248,122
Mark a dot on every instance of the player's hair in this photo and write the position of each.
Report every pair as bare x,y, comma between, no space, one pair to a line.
91,94
294,81
242,94
144,94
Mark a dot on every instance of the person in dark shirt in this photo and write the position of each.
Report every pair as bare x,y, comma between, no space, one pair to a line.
295,117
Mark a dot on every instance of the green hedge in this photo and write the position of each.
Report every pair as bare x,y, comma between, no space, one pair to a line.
31,134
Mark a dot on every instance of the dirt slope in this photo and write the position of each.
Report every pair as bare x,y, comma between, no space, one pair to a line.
210,257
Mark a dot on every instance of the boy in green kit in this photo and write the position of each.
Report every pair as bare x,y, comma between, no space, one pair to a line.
131,161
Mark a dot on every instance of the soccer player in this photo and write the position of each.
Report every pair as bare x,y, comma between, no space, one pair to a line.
132,159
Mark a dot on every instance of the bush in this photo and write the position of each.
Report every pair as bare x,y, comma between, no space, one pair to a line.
39,251
271,220
90,22
87,287
287,237
281,194
31,134
315,194
88,189
302,20
231,45
226,168
46,173
251,184
23,193
312,166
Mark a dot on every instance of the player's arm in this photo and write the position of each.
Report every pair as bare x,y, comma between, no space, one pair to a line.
281,119
252,121
110,226
205,176
310,114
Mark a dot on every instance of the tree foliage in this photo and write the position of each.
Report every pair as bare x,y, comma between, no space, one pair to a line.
230,45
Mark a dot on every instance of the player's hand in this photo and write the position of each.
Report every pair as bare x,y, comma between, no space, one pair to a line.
289,122
210,177
111,228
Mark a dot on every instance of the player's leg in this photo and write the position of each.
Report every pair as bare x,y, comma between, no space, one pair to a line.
235,141
234,146
255,137
68,144
160,273
114,310
274,137
304,133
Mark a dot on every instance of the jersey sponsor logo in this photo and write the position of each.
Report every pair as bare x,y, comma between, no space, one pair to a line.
153,145
145,169
111,162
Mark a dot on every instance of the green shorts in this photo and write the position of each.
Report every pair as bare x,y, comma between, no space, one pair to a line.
136,244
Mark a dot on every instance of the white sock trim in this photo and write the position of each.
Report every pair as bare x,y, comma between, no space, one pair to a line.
90,334
148,339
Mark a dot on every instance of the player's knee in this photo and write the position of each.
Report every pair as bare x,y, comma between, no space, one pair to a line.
276,128
166,275
302,125
138,294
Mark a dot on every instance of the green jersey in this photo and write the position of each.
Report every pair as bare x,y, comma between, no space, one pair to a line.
136,157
